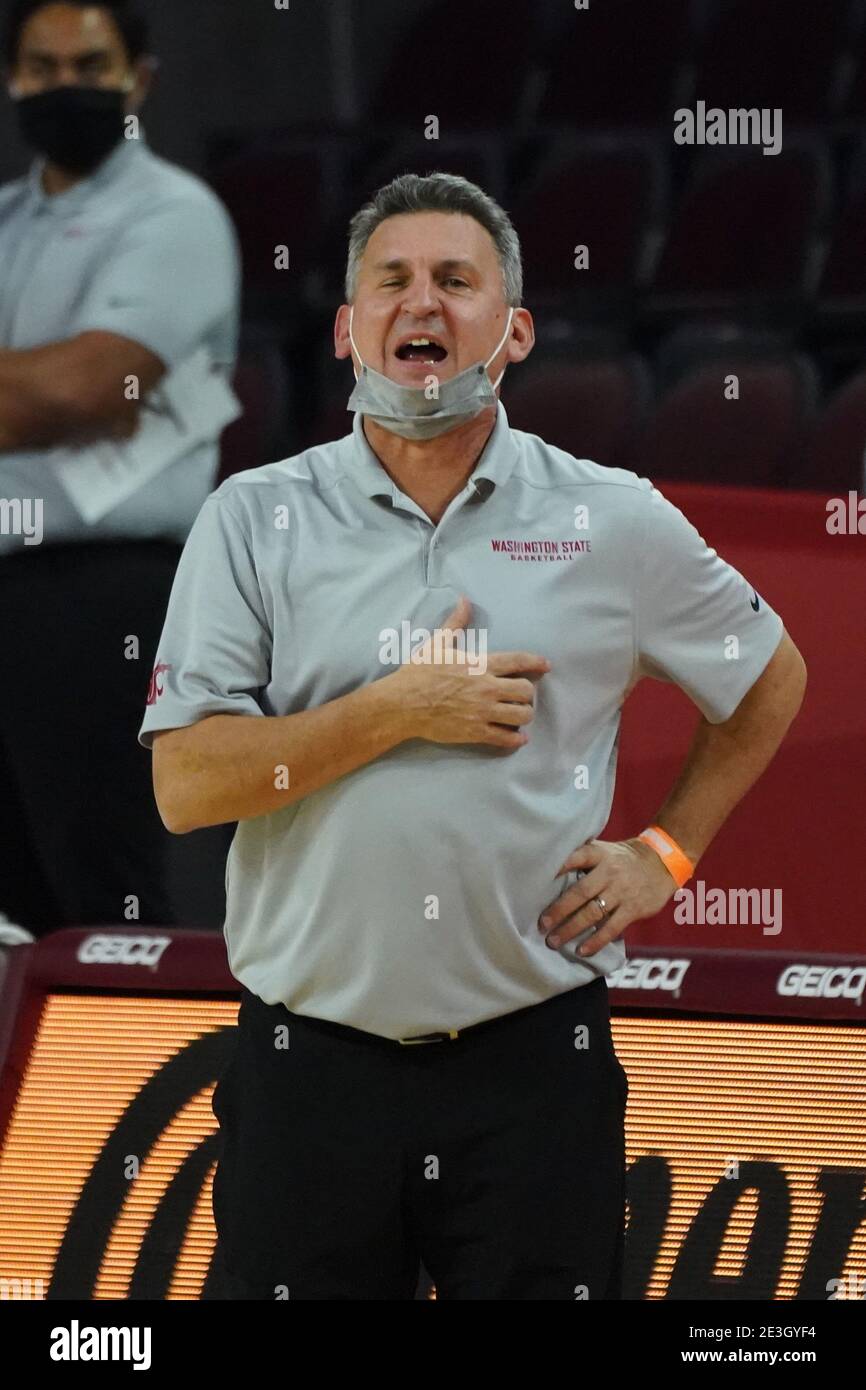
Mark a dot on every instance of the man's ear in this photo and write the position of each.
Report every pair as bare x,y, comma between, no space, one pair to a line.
143,73
523,336
342,346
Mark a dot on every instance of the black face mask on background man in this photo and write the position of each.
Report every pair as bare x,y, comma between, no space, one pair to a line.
73,127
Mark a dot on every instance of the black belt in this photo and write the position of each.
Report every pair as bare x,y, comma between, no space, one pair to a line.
450,1035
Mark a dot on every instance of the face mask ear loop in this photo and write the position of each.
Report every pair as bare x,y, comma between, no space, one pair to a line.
498,347
352,341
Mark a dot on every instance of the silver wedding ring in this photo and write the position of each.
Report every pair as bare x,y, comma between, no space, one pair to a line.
602,905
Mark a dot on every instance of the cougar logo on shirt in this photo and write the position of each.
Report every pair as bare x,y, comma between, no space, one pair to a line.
155,688
540,550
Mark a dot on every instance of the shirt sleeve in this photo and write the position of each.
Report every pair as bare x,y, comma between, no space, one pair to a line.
699,623
214,654
173,275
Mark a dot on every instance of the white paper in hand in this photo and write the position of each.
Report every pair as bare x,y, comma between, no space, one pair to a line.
191,405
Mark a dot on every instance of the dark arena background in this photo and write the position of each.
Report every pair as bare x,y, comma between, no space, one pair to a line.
699,295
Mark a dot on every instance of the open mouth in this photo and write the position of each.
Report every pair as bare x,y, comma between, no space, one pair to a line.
422,349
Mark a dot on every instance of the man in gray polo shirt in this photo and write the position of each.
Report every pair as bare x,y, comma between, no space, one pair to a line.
118,333
398,661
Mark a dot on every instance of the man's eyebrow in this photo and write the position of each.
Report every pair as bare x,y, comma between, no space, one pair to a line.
45,57
458,263
452,263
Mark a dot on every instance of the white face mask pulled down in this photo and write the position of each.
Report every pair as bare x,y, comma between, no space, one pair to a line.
409,411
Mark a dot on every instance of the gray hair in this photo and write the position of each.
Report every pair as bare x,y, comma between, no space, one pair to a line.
437,193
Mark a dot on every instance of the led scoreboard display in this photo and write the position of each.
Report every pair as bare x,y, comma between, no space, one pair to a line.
746,1123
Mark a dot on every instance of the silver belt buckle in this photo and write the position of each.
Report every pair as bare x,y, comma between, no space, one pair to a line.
430,1037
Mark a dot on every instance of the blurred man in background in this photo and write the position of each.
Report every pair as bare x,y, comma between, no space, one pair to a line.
118,335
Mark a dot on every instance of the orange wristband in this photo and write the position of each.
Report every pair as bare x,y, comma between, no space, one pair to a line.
678,865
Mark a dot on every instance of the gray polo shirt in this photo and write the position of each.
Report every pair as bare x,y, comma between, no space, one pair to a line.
404,898
140,248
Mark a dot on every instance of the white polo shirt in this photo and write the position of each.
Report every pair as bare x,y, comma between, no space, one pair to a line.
404,898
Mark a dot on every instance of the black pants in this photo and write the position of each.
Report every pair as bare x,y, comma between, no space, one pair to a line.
79,830
497,1158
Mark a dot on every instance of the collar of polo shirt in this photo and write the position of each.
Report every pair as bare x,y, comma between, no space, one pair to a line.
495,465
83,190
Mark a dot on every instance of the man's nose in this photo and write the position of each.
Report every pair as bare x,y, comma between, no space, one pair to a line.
421,300
68,75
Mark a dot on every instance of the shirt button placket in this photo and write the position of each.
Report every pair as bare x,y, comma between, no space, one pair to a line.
431,557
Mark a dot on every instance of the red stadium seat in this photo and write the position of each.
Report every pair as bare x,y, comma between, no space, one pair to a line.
333,422
704,341
745,231
483,49
592,409
854,104
615,63
780,53
835,455
842,289
605,193
281,191
698,435
478,157
259,435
